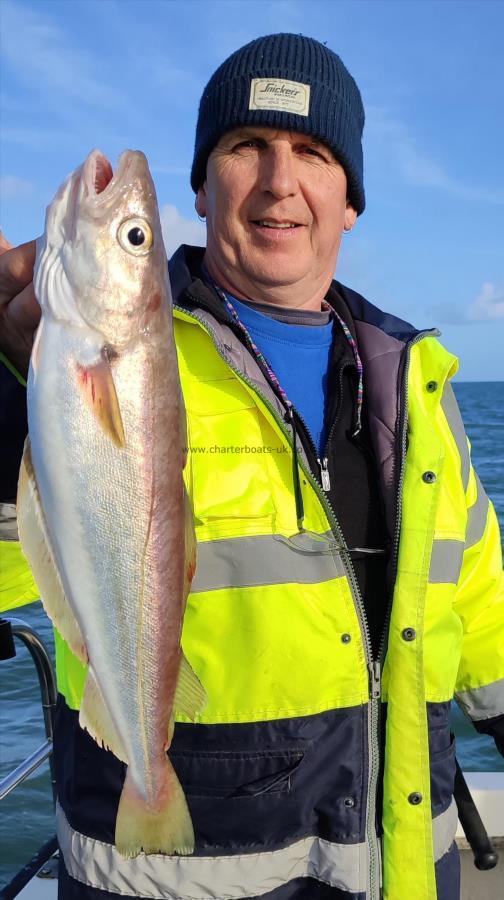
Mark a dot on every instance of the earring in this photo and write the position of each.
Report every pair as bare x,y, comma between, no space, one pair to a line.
201,218
346,230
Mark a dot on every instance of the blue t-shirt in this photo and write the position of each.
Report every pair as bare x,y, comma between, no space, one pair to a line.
299,357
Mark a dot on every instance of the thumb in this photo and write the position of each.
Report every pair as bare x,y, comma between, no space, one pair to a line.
4,243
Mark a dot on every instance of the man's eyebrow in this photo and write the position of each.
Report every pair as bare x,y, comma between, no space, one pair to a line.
316,142
248,131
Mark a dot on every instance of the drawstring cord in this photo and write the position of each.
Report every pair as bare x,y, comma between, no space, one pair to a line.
289,415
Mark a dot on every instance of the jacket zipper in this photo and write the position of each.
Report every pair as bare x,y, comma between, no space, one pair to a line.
373,666
324,462
403,400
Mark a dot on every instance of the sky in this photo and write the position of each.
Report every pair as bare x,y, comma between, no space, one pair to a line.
116,74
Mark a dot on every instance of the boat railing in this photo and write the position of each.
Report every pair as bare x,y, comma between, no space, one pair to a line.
10,629
16,628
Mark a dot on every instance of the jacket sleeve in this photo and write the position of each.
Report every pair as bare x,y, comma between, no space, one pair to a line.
479,601
17,585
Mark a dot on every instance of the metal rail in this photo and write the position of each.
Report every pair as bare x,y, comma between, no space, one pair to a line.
47,684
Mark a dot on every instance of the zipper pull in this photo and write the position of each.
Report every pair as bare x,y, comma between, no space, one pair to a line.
324,472
375,680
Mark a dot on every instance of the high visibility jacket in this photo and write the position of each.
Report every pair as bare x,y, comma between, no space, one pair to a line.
315,771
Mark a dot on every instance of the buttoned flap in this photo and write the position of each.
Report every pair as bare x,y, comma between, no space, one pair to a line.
228,469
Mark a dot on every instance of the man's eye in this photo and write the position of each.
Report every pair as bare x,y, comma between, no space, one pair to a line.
312,151
249,144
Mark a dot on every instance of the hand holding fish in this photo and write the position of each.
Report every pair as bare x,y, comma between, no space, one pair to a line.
19,310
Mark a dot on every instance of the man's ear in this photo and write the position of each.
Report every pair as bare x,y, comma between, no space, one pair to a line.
200,202
350,217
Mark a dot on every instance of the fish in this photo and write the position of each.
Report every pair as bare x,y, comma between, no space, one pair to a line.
104,518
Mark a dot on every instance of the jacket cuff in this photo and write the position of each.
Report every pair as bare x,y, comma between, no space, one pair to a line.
495,728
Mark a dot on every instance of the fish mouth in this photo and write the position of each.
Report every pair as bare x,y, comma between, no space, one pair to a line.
98,177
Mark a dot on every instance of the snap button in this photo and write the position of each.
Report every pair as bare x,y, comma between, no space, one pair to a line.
346,638
349,802
431,386
408,634
415,798
429,477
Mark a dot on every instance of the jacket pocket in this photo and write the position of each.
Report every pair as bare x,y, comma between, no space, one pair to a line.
235,775
442,772
228,471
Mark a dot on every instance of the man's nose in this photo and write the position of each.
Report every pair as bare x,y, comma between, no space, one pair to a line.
278,171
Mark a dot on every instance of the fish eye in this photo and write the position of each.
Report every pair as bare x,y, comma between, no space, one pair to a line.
135,236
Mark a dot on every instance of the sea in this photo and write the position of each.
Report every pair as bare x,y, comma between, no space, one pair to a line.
26,815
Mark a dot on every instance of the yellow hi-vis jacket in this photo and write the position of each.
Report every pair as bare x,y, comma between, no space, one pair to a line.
282,769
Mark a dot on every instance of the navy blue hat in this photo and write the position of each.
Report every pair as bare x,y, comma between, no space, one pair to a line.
290,82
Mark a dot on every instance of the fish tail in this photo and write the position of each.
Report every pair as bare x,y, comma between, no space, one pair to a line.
165,828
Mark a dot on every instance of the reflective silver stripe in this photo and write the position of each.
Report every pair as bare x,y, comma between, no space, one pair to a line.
452,413
444,828
159,877
483,702
446,561
8,522
477,516
266,559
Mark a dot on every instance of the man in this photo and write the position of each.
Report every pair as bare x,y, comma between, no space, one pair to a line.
349,576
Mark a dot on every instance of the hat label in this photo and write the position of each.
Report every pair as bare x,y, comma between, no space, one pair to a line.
276,93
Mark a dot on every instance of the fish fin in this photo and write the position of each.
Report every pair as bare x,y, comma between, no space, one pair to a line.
183,431
171,729
189,545
163,828
190,695
37,549
98,389
96,719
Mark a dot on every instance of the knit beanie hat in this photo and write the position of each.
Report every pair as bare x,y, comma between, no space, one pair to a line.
290,82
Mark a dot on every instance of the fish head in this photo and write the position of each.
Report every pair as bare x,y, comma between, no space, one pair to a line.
102,262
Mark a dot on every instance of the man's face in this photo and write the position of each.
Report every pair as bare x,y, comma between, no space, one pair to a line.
275,205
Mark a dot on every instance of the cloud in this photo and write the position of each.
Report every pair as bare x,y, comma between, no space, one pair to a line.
14,188
488,305
178,230
43,55
391,136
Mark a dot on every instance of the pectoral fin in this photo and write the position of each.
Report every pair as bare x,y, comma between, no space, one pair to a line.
36,546
98,390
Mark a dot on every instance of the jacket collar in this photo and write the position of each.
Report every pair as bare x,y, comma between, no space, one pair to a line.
189,290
